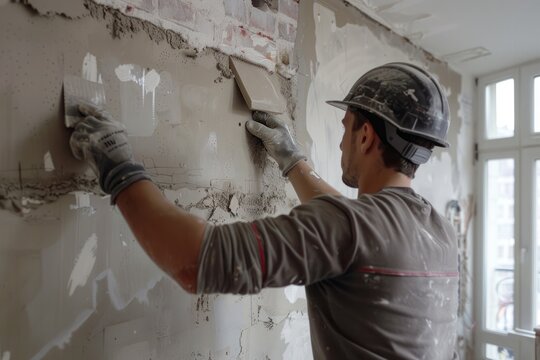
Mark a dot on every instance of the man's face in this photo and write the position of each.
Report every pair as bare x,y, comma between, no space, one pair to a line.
349,156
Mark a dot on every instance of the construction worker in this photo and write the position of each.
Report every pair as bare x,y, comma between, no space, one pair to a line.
380,271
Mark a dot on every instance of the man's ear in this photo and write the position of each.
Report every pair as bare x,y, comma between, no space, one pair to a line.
368,137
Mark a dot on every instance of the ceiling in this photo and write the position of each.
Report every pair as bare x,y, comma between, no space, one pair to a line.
476,37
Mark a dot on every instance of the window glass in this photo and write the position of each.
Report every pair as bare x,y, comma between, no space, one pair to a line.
499,245
495,352
537,236
500,109
537,104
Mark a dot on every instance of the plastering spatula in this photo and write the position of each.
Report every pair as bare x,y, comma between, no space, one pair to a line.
257,88
77,90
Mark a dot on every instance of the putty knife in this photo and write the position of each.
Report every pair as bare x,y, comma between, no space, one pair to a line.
77,90
257,88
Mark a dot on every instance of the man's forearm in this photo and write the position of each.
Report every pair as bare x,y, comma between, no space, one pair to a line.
307,183
169,235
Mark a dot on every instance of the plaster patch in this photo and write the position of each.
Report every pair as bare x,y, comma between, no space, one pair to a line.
234,205
37,194
64,337
295,333
294,293
118,302
259,40
6,355
138,98
83,265
90,69
82,200
48,162
168,107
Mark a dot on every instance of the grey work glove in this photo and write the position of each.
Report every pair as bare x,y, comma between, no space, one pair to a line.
103,142
277,140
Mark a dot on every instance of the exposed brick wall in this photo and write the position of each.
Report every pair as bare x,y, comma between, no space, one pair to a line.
260,34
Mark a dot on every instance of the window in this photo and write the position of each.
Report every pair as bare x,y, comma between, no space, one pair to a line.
500,109
537,236
537,104
508,251
499,244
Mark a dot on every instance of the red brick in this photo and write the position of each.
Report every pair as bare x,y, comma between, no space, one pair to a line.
263,20
289,8
237,36
176,11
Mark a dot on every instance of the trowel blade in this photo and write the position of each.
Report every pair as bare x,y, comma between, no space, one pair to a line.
257,87
76,91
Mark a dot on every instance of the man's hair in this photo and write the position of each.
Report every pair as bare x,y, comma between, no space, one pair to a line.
391,158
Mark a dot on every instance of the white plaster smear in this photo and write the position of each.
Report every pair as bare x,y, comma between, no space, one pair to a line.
343,55
129,72
6,355
83,265
119,303
138,98
64,337
90,70
295,333
128,278
48,162
82,200
293,293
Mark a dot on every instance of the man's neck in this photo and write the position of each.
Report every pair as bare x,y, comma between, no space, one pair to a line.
376,181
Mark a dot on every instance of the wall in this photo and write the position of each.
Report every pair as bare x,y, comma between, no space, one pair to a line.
75,284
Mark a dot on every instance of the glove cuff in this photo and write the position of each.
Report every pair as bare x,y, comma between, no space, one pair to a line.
294,160
120,177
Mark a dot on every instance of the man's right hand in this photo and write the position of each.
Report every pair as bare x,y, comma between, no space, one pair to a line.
277,140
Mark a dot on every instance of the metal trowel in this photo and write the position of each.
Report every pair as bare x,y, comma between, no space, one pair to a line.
76,91
257,87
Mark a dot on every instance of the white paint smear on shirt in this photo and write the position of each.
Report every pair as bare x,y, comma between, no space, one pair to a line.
83,265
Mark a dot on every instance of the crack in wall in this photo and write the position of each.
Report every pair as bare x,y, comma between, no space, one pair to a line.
21,198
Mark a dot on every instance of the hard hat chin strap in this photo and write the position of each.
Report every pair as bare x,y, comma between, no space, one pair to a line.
412,152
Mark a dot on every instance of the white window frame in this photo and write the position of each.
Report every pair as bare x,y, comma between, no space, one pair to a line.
504,143
524,148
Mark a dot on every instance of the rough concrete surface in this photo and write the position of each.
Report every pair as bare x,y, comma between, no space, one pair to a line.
75,283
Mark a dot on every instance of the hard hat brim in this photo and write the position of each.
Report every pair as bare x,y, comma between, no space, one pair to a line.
343,105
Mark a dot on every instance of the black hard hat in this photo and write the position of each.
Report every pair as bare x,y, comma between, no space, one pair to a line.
409,100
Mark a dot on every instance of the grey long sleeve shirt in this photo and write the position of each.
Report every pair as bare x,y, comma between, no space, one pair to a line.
380,272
